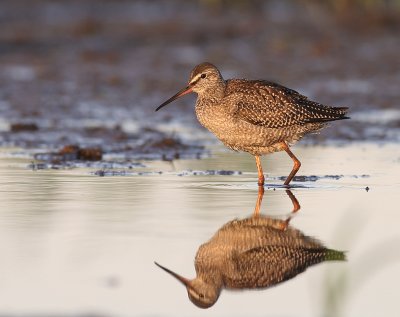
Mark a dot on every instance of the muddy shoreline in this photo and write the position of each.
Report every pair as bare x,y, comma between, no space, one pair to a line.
90,75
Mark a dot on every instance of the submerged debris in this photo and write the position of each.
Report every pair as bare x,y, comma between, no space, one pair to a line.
38,166
74,152
103,173
71,153
22,127
312,178
361,176
208,173
103,165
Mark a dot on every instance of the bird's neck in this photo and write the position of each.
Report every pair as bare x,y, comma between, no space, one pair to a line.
214,93
210,276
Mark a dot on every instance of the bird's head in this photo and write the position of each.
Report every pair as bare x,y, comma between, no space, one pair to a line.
204,78
200,293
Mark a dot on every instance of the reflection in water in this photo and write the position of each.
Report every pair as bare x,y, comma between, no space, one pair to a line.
256,252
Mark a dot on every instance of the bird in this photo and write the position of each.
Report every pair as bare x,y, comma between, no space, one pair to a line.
253,253
255,116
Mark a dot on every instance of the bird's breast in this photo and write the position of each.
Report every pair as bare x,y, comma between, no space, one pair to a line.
215,117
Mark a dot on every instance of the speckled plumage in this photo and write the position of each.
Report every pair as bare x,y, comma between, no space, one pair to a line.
255,116
253,253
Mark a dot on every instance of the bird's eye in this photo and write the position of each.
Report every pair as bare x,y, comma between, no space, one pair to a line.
203,75
201,295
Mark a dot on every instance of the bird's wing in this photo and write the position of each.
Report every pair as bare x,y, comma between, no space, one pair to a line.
271,105
267,266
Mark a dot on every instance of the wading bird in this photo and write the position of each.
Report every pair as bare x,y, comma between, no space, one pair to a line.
255,116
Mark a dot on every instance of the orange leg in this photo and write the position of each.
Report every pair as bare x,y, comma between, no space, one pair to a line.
260,171
296,165
259,200
295,202
296,207
280,224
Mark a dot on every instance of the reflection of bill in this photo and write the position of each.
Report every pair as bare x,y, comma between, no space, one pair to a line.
256,252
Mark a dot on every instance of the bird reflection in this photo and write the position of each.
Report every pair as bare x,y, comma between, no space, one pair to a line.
253,253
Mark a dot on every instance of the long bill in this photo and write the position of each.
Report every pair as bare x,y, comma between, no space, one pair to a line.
183,280
180,93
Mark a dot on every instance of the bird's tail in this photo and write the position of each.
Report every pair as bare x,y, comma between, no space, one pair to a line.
335,255
326,114
341,112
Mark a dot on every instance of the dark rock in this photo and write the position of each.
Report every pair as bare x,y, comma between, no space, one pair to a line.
20,127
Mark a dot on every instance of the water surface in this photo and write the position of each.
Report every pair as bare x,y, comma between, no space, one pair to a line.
74,243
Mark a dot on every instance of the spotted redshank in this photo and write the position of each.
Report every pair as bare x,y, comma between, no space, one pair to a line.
255,116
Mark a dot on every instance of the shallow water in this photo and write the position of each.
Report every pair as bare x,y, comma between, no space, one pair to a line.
74,243
93,73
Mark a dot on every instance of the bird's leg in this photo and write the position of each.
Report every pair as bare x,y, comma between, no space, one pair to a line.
296,207
295,202
259,200
296,165
260,171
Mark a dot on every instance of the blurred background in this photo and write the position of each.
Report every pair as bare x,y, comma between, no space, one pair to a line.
79,62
